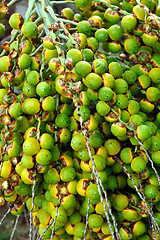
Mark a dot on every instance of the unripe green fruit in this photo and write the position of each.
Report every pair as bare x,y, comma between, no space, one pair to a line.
67,13
143,132
22,189
16,21
24,61
83,5
92,43
101,35
99,66
78,142
67,174
33,77
139,12
84,27
79,229
125,233
111,182
114,47
138,164
6,169
92,192
43,89
31,106
31,146
129,22
29,29
126,155
131,45
84,112
82,68
5,64
99,162
154,74
14,149
52,176
87,54
15,110
115,69
150,191
115,32
43,157
95,221
120,202
26,176
92,81
153,94
139,228
130,214
75,55
95,21
46,141
149,39
69,201
112,146
95,140
118,129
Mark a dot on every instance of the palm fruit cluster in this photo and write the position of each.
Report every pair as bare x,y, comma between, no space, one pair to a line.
80,120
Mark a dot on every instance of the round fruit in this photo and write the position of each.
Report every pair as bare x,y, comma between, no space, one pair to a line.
31,146
29,29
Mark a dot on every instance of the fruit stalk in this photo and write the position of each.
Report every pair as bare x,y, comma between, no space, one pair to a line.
15,226
98,180
5,215
54,222
140,195
30,212
148,158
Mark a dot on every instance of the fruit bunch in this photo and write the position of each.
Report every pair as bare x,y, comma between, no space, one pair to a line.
80,120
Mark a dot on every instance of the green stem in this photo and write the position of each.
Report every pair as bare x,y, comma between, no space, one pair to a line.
106,4
40,19
29,10
61,2
50,10
63,36
42,65
43,14
37,49
12,39
67,21
11,3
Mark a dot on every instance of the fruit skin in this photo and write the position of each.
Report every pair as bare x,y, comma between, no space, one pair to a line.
29,29
139,228
5,64
31,146
16,21
129,22
6,169
120,202
31,106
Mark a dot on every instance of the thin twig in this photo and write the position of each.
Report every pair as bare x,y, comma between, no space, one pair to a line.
96,174
5,215
151,161
30,212
15,226
87,215
140,195
54,222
